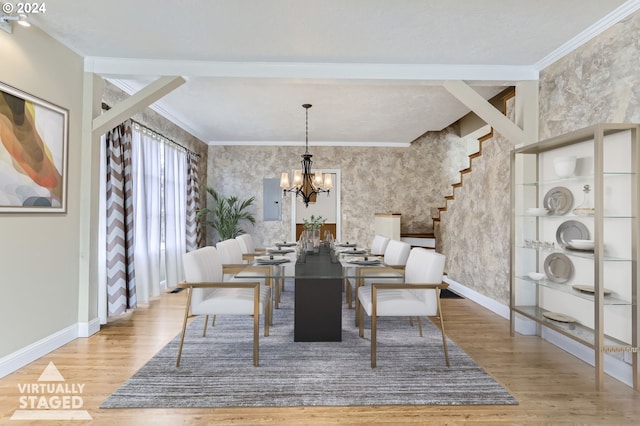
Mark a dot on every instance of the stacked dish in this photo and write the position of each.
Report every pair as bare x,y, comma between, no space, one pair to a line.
581,244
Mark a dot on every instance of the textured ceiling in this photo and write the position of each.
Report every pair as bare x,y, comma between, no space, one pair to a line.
371,68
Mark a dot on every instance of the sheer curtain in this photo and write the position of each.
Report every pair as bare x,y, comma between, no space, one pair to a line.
175,208
147,177
160,176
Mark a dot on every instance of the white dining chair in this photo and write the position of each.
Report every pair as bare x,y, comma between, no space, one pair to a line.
395,257
379,245
417,296
208,294
233,264
248,247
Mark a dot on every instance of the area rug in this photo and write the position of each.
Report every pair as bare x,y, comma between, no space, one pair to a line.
217,370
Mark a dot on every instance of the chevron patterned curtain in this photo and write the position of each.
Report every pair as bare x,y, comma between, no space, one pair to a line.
193,226
121,284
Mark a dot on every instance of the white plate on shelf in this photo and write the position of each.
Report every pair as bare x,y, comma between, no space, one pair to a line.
587,245
571,230
558,200
558,267
557,316
589,289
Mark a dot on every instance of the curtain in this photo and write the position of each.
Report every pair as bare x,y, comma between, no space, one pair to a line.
149,198
120,280
146,157
194,232
175,208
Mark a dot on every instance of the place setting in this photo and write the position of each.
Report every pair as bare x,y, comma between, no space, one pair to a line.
285,243
271,260
280,250
355,250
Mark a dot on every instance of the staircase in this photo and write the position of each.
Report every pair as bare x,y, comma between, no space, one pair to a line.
463,172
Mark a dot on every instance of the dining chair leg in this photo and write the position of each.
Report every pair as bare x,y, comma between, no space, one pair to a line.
357,302
184,325
268,312
349,295
374,324
256,324
279,287
411,321
206,322
444,336
420,325
360,314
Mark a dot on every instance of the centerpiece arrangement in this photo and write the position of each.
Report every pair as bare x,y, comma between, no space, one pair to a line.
311,235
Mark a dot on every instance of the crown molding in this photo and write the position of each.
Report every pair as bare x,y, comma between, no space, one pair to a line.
389,144
623,11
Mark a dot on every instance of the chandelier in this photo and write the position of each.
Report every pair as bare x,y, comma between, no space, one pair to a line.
306,184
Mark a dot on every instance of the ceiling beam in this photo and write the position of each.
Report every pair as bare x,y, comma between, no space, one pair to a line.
426,73
135,103
483,109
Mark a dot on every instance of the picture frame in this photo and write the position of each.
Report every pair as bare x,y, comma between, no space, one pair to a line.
33,153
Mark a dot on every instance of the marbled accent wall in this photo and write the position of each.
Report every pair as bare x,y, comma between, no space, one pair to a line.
597,83
411,181
474,231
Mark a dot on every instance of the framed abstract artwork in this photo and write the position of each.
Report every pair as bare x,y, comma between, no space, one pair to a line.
33,153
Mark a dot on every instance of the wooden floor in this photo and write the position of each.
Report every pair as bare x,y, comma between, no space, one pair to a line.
552,386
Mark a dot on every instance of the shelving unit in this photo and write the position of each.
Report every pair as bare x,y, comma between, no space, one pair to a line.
606,321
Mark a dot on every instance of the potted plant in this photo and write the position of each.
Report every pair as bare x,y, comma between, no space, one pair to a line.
226,214
312,226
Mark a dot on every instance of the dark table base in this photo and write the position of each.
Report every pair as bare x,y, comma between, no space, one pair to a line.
318,301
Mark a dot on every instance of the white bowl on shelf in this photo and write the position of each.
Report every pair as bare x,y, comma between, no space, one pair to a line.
536,276
582,244
564,166
537,211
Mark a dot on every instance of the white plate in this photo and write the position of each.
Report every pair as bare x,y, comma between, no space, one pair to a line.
558,200
581,244
346,245
558,267
353,251
266,260
280,250
367,262
556,316
571,230
286,244
589,289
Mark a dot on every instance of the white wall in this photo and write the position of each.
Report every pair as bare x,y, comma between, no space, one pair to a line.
39,255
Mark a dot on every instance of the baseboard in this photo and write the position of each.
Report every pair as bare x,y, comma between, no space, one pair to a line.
614,367
86,329
482,300
18,359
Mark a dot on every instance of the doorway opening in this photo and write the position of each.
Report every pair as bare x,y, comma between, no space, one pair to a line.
327,205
